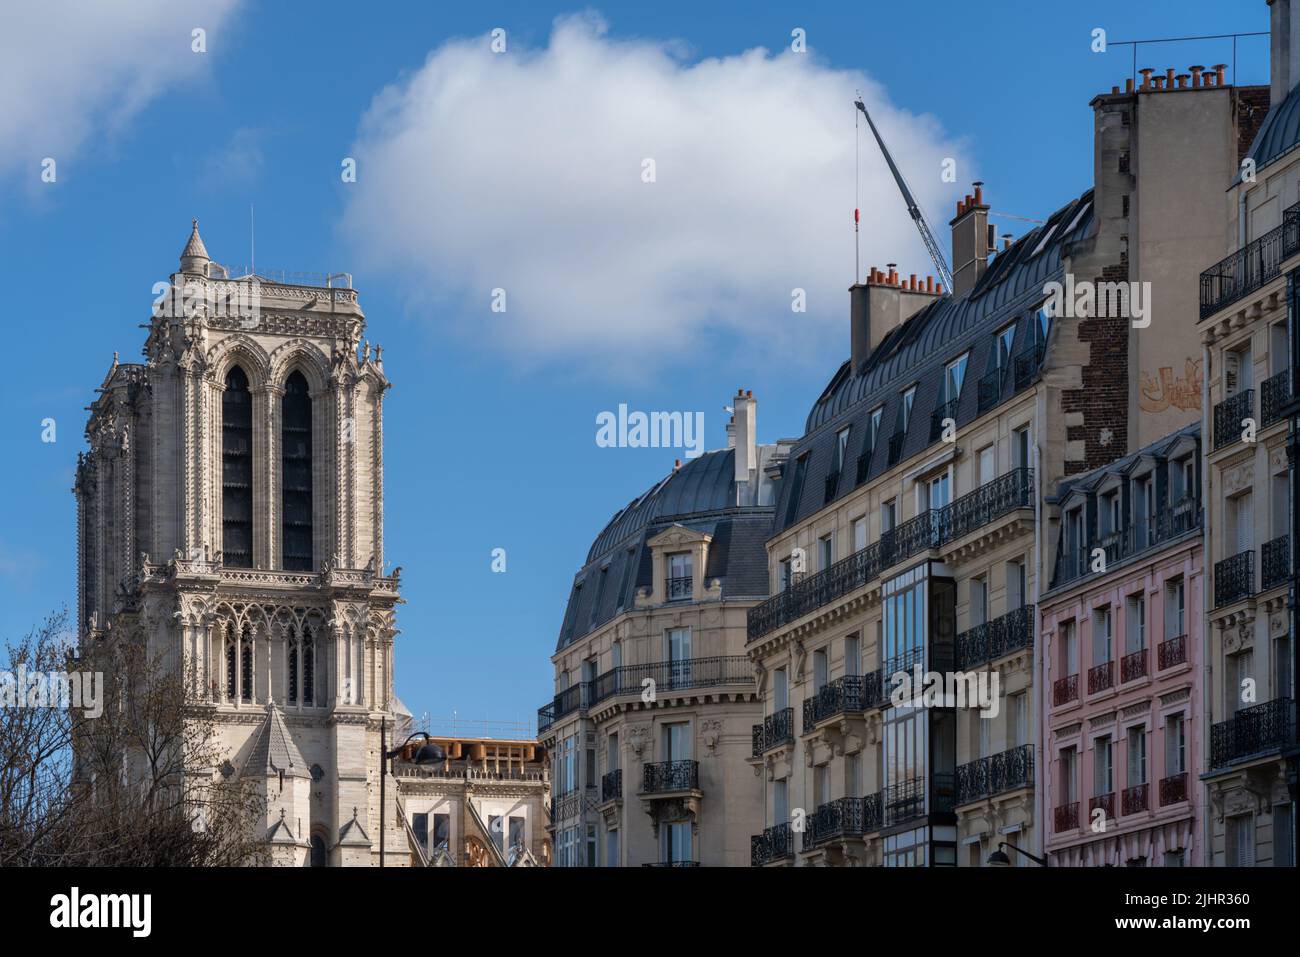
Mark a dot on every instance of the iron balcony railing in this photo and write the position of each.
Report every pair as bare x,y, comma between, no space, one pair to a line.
906,801
1251,266
1275,562
1027,366
832,486
1104,801
545,717
1101,677
931,529
1133,666
1234,578
566,702
1134,799
1252,731
611,785
945,410
681,675
864,465
662,776
1182,517
842,818
1229,416
896,447
1274,397
1065,690
1171,652
776,843
1173,789
996,774
989,392
851,694
1067,817
679,589
776,730
1013,631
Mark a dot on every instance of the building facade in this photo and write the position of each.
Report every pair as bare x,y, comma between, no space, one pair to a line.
649,729
230,521
1122,645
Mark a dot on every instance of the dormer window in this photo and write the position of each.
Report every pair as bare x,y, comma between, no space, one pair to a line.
876,415
680,578
1006,339
1108,513
905,410
953,378
841,448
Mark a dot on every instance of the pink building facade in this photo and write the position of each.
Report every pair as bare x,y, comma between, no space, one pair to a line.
1121,633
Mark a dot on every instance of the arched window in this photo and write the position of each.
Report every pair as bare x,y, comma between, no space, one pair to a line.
231,684
237,471
308,667
246,663
296,472
318,856
292,650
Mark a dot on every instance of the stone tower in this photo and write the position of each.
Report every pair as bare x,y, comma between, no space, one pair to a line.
230,517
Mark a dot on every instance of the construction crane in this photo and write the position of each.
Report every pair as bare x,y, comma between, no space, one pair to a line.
927,237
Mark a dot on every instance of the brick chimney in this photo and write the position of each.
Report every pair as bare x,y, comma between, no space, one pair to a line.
970,241
883,302
1283,50
745,420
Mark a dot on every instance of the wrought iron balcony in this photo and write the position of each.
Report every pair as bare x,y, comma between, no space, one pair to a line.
864,466
1229,416
1173,789
1234,578
843,818
1182,517
776,843
989,392
931,529
566,702
1101,677
1013,631
679,589
904,801
1104,801
896,447
1251,266
1065,689
1133,666
776,730
664,776
851,694
1135,799
1067,817
945,410
1172,651
1027,366
680,675
1253,731
611,785
1274,397
545,717
832,486
1275,562
986,777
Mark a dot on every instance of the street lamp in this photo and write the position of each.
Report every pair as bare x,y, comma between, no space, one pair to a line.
999,857
428,753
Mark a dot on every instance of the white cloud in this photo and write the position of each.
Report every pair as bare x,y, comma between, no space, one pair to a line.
523,171
74,69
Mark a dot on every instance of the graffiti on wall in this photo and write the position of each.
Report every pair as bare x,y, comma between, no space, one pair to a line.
1165,391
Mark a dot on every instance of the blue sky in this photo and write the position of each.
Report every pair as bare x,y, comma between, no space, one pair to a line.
472,168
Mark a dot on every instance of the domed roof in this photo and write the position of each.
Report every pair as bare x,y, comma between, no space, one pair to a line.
1279,134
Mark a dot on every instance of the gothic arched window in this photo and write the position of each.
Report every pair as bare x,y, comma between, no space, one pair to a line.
237,471
292,649
246,665
231,669
296,498
308,667
318,856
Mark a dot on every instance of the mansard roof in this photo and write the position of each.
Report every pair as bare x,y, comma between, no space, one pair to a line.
1278,135
1162,448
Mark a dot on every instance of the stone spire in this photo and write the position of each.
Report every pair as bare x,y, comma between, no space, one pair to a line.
195,258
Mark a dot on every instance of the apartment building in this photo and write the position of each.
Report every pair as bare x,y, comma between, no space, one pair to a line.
1121,638
649,729
1247,308
909,529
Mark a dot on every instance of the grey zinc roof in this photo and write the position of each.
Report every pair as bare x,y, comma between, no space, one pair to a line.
274,750
1278,135
916,353
700,495
1157,449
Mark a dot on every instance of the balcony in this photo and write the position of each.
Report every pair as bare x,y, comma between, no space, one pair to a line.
1253,731
1173,789
1275,562
1274,397
1133,666
832,486
896,447
1250,267
847,817
679,589
990,641
664,777
1101,677
1066,817
1234,578
1107,804
849,695
566,702
864,466
1065,690
989,392
903,802
1027,366
1184,516
611,786
1135,799
946,410
930,529
776,843
1229,416
1171,652
987,777
665,676
777,730
545,717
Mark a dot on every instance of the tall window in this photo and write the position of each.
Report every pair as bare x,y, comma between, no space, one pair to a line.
237,471
296,498
301,662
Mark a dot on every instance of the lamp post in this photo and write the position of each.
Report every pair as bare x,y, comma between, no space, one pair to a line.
999,857
428,753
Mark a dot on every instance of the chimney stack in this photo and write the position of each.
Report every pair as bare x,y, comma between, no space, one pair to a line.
1282,45
745,435
970,241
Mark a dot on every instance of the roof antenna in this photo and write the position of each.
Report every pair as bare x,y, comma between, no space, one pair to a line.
252,242
857,241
